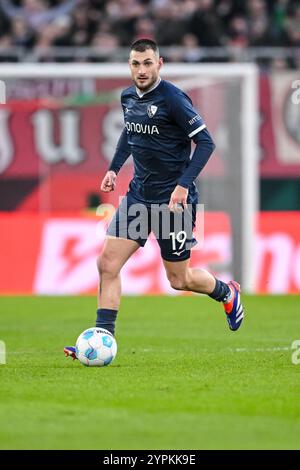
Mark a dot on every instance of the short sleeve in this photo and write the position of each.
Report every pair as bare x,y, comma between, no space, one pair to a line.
185,115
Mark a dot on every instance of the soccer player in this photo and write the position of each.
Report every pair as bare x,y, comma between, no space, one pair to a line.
160,122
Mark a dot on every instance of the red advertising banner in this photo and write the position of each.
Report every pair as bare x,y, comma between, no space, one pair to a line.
57,255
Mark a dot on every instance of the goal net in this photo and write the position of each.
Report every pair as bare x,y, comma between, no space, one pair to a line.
61,122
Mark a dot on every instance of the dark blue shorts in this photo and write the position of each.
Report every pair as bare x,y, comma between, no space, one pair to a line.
174,231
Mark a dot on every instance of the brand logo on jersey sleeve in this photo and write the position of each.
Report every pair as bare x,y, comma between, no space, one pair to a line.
151,110
195,119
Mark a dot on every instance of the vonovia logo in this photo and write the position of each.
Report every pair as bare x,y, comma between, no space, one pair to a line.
2,92
151,110
2,353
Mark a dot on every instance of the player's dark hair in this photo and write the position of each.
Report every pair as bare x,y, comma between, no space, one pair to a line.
141,45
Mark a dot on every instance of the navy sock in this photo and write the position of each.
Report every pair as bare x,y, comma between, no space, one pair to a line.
221,292
106,319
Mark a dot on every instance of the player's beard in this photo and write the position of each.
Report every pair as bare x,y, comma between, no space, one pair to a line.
146,84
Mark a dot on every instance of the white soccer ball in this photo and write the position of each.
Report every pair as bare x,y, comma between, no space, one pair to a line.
96,347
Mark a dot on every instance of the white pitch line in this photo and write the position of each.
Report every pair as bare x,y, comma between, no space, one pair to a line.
273,349
283,348
150,350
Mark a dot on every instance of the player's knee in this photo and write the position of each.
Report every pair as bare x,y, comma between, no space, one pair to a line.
107,265
178,282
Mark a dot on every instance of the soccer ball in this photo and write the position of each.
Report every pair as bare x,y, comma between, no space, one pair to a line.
96,347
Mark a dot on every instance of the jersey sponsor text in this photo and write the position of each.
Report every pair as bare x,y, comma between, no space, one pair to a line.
141,128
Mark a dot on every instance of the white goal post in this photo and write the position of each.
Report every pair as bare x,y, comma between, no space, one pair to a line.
244,115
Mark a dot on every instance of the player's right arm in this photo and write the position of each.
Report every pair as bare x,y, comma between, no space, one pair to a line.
121,155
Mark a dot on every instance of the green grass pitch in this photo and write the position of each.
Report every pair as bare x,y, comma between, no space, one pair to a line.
181,379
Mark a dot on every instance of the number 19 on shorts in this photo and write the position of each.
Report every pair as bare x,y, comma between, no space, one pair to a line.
180,238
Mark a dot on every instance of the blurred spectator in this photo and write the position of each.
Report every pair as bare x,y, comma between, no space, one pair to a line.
191,26
278,18
83,27
192,51
258,23
205,24
171,24
238,35
21,34
36,13
292,26
4,24
5,41
105,41
144,28
122,16
292,31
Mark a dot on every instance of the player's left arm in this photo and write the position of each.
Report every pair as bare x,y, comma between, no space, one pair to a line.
193,126
203,150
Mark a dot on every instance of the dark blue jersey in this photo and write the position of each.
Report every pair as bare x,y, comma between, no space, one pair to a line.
159,126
